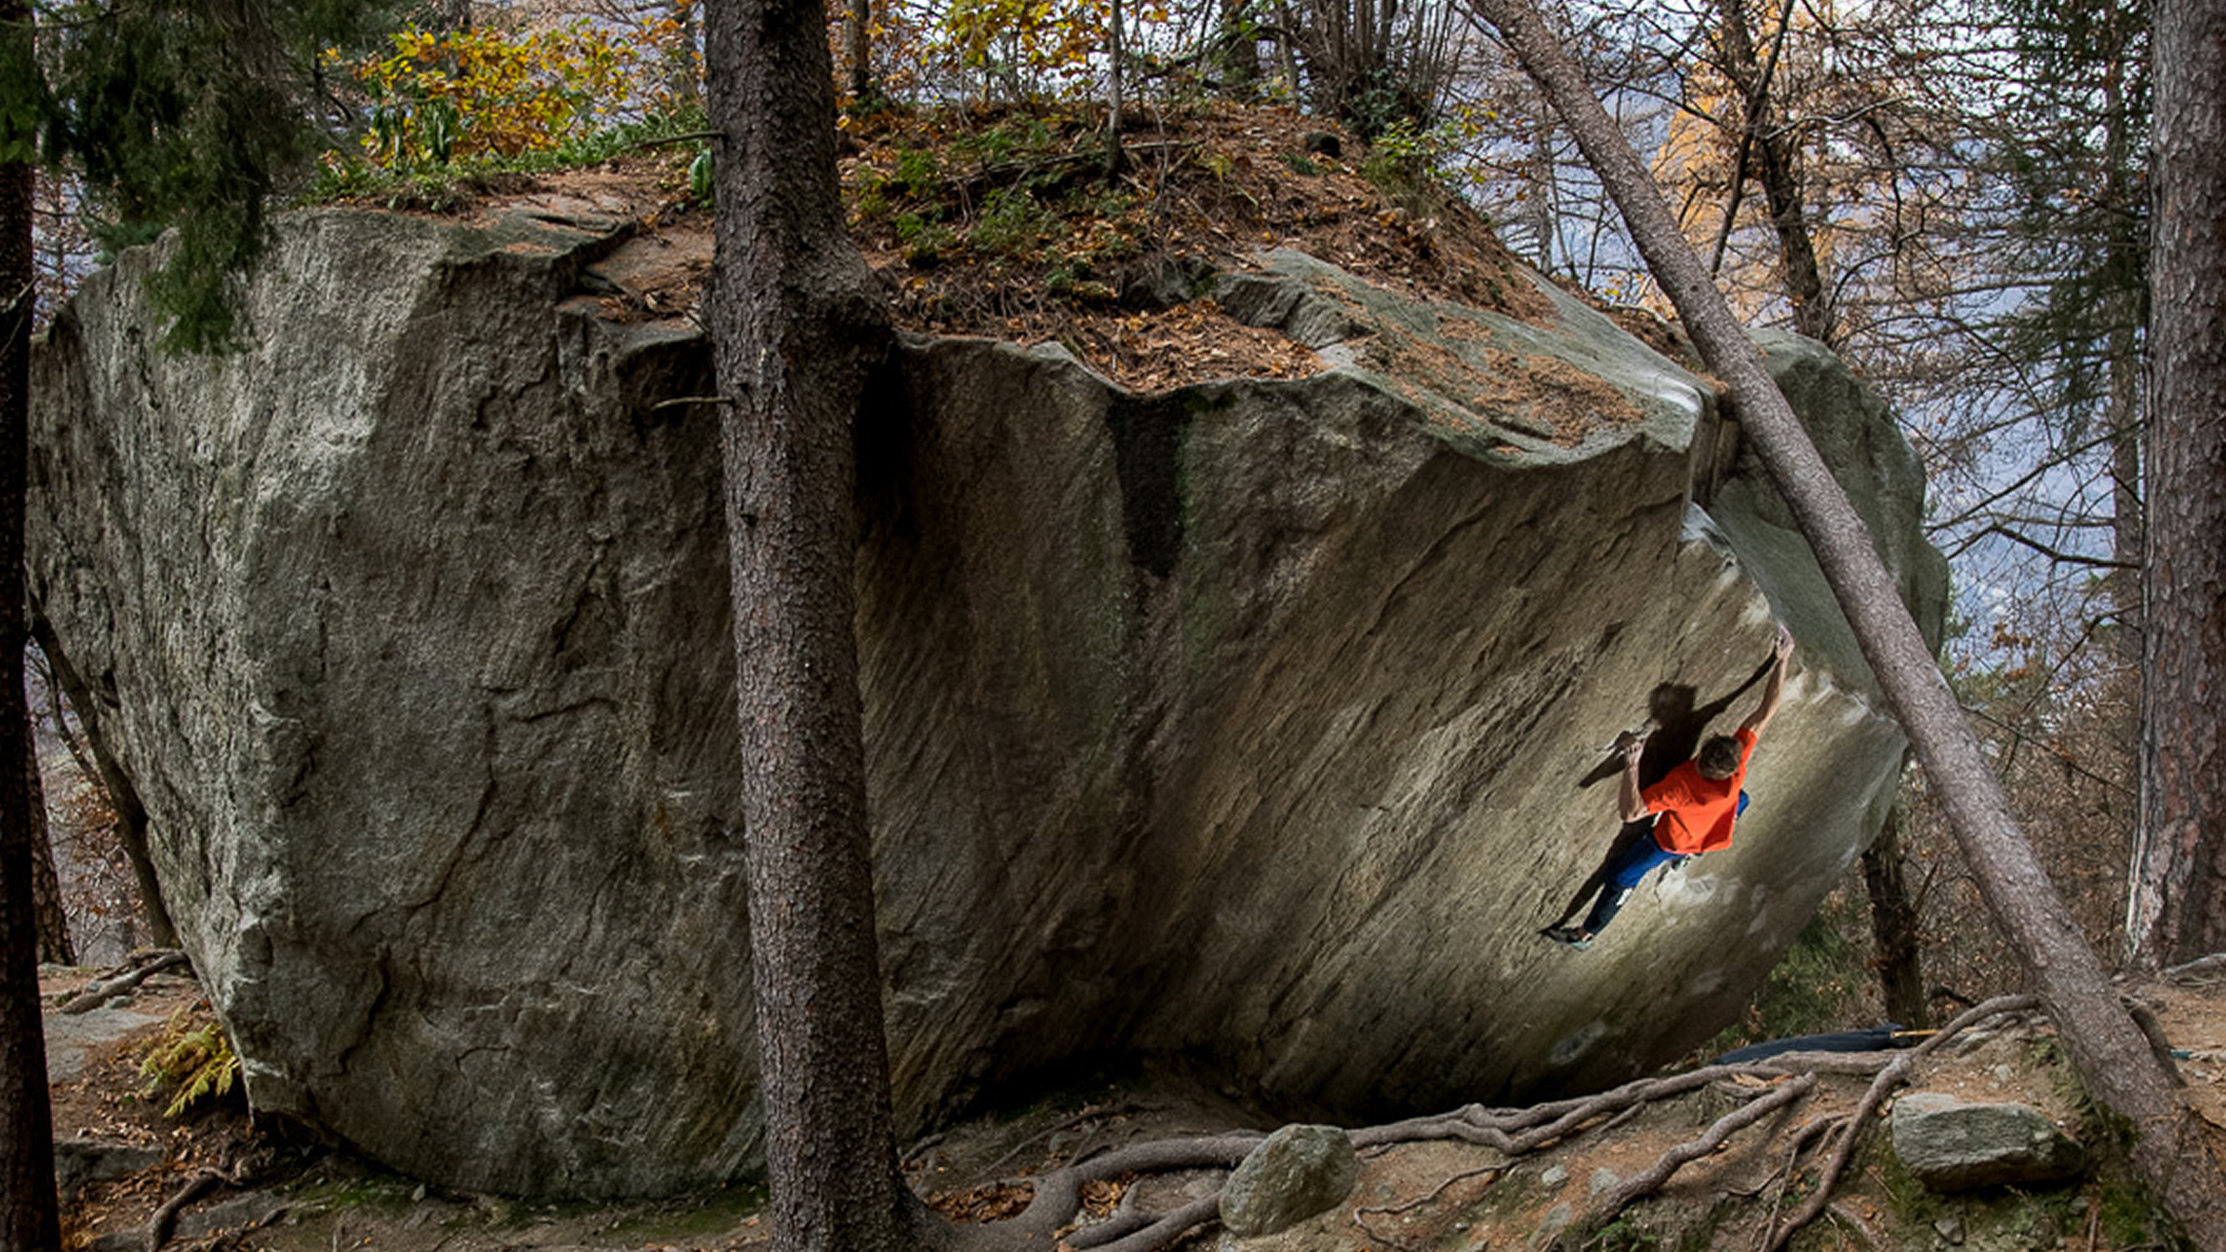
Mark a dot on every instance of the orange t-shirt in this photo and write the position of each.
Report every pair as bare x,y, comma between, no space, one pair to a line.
1696,812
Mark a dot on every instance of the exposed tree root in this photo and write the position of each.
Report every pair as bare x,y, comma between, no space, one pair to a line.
1650,1180
1866,1111
2153,1031
1058,1195
159,1225
1785,1174
1157,1235
2203,971
1360,1215
1516,1131
1765,1089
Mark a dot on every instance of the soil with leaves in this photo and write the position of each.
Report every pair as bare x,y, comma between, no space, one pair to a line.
1008,223
1716,1157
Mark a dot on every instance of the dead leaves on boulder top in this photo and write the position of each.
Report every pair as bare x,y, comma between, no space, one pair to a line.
1004,224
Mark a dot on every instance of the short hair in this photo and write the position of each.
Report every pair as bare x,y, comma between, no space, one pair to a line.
1720,757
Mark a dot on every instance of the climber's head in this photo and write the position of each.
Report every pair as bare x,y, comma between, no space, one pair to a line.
1719,757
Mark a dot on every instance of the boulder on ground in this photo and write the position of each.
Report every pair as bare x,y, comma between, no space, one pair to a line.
80,1162
1949,1144
1295,1173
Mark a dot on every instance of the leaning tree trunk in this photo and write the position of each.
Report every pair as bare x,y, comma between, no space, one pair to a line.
2178,907
28,1219
2112,1056
131,813
798,328
48,915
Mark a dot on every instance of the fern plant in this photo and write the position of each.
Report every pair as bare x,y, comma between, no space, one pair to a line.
197,1060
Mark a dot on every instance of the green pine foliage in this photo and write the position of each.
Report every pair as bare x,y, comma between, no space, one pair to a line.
2078,120
182,114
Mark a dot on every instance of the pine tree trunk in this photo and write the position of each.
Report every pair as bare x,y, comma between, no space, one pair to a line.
2123,277
799,328
2112,1056
28,1218
51,919
1114,91
1893,927
2178,908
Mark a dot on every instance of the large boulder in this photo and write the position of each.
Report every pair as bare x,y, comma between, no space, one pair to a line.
1260,723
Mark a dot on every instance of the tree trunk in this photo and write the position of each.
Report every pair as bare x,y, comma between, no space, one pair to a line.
1286,49
1114,90
1781,183
682,78
2178,908
799,329
131,814
51,921
2128,531
858,50
1893,927
2109,1051
28,1218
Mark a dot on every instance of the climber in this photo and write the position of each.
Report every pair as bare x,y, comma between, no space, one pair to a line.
1693,806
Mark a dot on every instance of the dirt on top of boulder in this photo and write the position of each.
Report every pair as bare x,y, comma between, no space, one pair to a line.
1006,223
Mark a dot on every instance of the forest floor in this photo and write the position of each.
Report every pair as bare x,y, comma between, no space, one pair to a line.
1437,1195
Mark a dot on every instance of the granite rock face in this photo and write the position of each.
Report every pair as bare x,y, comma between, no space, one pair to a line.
1260,723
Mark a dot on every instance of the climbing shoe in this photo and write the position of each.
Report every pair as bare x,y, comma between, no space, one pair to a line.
1569,935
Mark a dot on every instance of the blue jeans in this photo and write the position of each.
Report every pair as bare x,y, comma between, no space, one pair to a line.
1628,871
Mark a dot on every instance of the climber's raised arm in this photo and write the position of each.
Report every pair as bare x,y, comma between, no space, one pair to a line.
1773,690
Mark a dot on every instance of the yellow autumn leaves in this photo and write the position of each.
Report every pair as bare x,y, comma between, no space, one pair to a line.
438,97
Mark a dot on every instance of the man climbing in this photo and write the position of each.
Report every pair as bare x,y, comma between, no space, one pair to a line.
1693,806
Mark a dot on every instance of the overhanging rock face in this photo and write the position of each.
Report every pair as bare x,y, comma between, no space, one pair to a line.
1259,723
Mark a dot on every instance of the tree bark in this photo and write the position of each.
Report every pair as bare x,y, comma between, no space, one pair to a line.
1114,90
1893,927
29,1221
858,50
2178,903
799,328
48,916
1781,181
131,814
2122,407
1236,51
2107,1049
